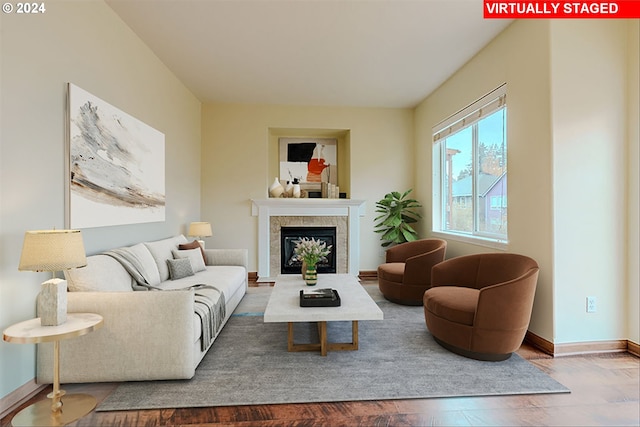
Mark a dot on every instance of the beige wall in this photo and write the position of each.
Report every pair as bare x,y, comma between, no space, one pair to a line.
589,103
519,56
572,94
236,164
84,43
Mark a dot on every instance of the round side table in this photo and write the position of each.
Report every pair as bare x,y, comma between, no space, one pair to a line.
59,411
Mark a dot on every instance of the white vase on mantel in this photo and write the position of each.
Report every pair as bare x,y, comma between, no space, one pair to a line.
288,190
296,191
276,189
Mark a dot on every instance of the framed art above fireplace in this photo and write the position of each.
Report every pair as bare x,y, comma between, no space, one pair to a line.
309,160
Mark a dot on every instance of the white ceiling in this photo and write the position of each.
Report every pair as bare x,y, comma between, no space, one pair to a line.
360,53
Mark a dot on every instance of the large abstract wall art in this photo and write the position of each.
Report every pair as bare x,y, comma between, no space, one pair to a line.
116,165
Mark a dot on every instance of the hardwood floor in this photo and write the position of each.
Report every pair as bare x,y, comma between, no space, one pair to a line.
605,391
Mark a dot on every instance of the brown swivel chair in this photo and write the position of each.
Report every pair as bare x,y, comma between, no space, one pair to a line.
479,306
407,271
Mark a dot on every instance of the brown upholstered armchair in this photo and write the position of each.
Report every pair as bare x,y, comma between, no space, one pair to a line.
407,271
479,306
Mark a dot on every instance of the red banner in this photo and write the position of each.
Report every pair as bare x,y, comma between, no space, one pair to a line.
515,9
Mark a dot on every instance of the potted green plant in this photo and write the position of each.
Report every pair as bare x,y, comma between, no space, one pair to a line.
397,212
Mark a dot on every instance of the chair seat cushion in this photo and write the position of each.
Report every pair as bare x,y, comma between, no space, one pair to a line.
391,271
456,304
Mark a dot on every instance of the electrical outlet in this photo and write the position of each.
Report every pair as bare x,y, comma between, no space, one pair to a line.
591,304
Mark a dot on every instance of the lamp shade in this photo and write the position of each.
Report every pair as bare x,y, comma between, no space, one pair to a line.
200,229
52,250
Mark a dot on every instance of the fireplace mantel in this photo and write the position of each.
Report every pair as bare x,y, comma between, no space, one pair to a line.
264,209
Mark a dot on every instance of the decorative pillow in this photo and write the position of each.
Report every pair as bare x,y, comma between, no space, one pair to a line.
193,245
161,250
197,263
179,268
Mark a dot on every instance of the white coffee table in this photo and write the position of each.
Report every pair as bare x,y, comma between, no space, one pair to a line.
356,304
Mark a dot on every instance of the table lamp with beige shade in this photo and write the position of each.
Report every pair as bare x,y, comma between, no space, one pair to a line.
52,250
200,230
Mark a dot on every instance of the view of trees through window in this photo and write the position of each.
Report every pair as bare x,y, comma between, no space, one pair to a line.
474,178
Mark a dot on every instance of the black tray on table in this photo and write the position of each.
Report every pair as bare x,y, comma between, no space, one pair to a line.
319,298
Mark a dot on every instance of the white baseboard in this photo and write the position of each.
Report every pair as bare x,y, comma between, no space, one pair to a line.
19,395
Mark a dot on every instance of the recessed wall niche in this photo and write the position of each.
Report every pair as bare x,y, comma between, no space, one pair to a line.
343,142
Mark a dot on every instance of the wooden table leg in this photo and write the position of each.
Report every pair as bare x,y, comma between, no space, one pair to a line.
354,334
290,346
323,345
322,328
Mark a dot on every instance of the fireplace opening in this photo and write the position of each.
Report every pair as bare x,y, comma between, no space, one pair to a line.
289,236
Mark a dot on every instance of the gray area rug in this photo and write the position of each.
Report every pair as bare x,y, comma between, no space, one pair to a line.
398,359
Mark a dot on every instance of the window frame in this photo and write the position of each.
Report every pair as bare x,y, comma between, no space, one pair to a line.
463,119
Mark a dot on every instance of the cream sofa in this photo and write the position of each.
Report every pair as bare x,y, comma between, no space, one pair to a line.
147,334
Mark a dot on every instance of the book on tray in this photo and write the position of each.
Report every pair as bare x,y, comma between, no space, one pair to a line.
326,293
323,297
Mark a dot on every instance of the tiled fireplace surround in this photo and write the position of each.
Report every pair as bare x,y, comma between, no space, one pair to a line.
273,214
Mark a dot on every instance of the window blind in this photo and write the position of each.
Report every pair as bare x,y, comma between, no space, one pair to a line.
475,111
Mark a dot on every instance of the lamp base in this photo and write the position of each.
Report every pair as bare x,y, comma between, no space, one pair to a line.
52,302
201,243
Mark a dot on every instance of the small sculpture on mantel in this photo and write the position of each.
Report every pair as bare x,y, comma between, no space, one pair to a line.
276,189
288,190
296,188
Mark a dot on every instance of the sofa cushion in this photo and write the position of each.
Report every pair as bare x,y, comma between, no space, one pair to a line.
102,273
179,268
161,252
227,278
193,245
454,303
391,271
146,262
197,261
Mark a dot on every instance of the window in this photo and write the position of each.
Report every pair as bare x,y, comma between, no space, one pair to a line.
470,171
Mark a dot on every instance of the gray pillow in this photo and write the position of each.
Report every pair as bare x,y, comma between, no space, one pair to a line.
179,268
